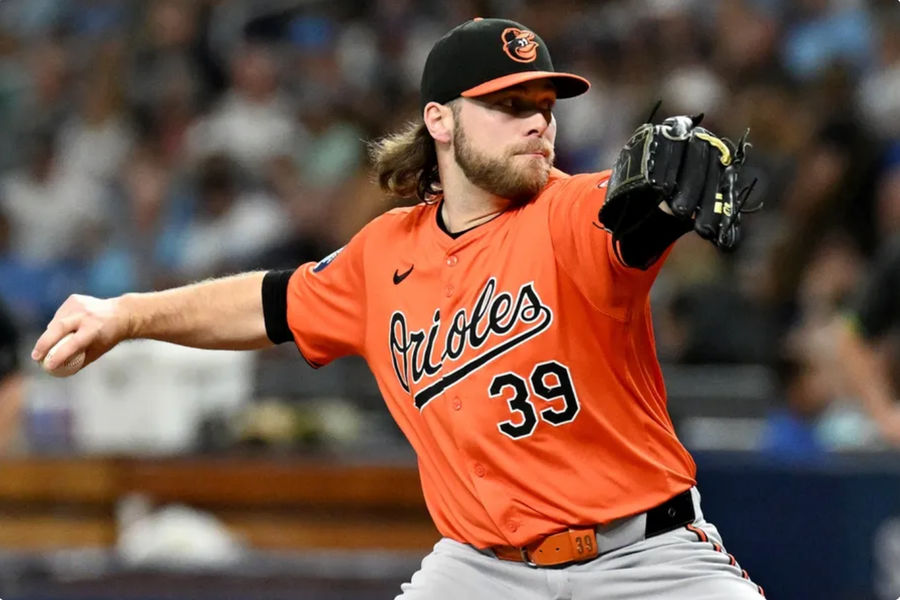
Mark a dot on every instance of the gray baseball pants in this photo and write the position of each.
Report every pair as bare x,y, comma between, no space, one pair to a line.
687,563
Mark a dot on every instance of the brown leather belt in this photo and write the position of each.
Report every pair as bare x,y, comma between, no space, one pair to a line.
581,544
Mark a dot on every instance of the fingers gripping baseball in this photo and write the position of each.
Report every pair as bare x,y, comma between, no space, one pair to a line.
81,325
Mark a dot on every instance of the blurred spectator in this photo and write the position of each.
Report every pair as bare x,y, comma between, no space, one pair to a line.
50,216
693,89
95,142
32,19
11,384
703,316
310,230
747,52
50,210
712,324
825,288
827,191
790,434
165,52
879,91
812,421
887,199
230,225
171,75
827,31
334,147
253,122
139,249
828,281
40,98
864,343
32,290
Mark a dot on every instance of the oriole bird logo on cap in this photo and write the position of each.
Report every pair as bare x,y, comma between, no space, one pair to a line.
519,44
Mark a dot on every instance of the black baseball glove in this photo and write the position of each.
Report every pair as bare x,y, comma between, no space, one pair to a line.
694,171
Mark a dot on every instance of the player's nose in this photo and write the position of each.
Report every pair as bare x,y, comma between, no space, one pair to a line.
539,121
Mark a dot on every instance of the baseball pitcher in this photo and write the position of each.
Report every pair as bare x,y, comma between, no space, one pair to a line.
506,319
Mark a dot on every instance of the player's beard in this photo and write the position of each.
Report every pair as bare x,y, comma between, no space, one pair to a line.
517,178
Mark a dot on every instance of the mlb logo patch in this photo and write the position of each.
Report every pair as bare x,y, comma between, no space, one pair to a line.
327,260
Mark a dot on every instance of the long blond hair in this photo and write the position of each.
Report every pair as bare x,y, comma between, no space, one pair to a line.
405,164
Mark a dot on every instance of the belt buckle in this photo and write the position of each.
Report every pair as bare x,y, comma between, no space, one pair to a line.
525,559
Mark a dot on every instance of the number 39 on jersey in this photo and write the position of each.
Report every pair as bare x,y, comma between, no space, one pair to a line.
550,382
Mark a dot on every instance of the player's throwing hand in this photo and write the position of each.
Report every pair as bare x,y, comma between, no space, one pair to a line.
96,324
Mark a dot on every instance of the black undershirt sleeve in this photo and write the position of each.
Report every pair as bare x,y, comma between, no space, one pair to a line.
9,343
642,243
274,302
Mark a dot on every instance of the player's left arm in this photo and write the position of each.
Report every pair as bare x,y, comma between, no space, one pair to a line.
584,250
649,236
670,179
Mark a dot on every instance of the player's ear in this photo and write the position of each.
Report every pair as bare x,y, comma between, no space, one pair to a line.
439,121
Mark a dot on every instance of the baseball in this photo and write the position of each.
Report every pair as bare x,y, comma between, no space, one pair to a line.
70,367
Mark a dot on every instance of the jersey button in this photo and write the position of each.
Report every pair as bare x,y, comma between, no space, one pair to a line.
452,260
449,291
480,471
512,526
457,403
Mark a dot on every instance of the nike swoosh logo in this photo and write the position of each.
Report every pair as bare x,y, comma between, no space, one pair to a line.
399,277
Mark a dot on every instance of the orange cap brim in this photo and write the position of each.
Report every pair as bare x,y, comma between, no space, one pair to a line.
567,84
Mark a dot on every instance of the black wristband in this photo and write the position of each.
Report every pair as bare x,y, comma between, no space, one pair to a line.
274,302
645,241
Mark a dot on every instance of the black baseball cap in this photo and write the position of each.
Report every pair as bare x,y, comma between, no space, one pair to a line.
485,55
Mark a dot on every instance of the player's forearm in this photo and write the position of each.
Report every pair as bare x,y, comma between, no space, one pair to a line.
222,313
646,241
865,373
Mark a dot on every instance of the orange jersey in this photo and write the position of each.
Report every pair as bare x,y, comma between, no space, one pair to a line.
517,358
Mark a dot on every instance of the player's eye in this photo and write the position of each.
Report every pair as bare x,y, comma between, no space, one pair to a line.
522,107
509,104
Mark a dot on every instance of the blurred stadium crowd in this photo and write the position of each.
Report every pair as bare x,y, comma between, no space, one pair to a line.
149,144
